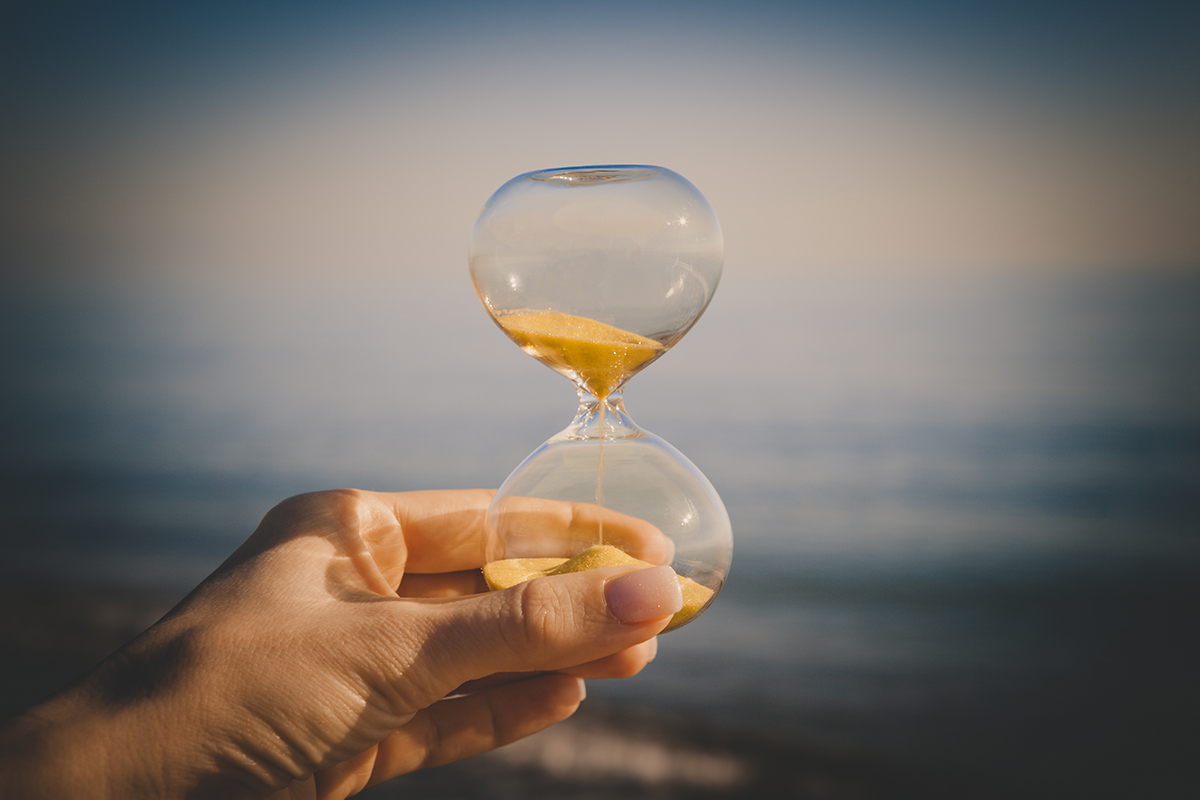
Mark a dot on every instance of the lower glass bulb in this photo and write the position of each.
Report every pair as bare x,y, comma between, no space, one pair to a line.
605,492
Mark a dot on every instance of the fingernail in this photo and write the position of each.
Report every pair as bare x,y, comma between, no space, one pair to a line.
582,690
643,595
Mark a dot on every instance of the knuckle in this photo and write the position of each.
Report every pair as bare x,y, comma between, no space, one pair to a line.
628,664
545,611
340,504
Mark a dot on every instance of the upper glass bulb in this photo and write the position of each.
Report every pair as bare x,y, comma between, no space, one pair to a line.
634,248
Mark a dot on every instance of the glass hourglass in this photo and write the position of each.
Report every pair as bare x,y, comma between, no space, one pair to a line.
597,272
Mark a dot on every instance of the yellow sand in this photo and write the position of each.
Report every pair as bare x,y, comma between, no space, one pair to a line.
510,572
600,355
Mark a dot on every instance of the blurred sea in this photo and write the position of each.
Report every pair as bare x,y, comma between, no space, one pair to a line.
966,507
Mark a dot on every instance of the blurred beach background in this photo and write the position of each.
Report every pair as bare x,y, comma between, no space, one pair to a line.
948,388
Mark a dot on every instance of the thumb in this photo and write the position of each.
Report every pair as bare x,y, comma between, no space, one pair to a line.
550,623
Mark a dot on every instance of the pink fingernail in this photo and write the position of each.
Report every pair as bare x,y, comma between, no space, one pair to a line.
643,595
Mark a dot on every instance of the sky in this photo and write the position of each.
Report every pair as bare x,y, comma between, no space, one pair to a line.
226,138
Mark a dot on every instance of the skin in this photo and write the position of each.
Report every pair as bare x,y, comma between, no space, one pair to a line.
348,641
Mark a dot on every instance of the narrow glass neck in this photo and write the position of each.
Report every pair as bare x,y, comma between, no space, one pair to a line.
601,419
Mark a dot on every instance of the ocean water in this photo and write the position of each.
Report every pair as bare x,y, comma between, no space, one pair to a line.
966,506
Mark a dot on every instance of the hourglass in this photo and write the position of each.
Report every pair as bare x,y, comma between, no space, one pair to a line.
597,272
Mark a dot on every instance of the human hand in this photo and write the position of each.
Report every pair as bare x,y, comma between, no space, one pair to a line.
348,641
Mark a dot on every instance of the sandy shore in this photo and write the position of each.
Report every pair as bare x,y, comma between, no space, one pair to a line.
51,634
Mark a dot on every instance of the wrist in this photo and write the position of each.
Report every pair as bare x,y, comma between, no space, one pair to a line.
129,729
67,747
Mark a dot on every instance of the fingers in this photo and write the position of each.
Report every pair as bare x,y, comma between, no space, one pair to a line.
390,534
430,532
537,528
443,530
466,726
624,664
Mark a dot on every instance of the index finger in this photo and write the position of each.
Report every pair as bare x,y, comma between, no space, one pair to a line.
447,530
536,528
443,529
